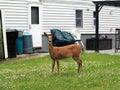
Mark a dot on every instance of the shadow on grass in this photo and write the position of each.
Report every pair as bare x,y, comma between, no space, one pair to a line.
66,74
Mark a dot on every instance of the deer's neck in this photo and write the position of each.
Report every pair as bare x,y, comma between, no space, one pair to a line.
50,47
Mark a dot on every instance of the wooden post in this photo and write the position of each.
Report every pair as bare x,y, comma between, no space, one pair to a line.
97,29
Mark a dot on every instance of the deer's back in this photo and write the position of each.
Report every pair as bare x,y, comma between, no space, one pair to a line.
66,51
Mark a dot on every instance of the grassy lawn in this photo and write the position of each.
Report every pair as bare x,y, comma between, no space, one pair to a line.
100,72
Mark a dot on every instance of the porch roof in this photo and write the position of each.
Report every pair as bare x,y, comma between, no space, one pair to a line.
115,3
98,6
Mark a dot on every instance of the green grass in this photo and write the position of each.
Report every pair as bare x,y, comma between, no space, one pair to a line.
100,72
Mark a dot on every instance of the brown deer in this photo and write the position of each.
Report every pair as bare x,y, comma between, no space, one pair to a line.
63,52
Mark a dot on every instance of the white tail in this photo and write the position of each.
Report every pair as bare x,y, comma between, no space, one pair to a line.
58,53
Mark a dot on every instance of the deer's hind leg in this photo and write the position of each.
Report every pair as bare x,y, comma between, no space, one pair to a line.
79,62
58,65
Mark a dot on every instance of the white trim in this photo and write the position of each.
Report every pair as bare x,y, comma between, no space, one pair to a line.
4,35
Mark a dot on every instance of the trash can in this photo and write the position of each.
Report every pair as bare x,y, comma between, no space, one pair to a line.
27,43
19,42
11,42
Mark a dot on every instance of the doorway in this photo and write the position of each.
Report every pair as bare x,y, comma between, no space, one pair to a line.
35,24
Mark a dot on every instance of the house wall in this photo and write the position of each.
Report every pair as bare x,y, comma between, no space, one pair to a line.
15,14
109,19
61,14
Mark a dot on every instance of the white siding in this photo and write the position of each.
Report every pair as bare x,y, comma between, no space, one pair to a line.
15,13
69,1
62,16
109,19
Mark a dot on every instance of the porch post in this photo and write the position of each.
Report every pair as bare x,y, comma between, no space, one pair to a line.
97,29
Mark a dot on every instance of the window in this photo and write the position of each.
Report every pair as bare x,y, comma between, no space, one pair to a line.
79,18
94,18
34,15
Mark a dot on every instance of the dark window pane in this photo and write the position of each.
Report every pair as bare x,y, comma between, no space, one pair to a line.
78,14
78,22
34,15
94,21
94,14
79,18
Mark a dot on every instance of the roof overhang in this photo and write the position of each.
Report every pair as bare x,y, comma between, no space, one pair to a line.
115,3
98,6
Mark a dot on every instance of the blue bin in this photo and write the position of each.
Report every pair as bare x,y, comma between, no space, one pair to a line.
27,43
19,45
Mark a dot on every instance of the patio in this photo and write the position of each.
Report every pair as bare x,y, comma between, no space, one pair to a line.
98,6
111,52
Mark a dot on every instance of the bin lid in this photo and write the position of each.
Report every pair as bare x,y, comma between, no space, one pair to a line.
20,30
26,34
11,30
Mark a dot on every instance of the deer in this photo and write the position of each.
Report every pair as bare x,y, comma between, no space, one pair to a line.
62,52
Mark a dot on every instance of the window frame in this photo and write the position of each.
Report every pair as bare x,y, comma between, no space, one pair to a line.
79,18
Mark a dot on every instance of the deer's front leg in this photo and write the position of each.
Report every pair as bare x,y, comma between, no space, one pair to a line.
53,64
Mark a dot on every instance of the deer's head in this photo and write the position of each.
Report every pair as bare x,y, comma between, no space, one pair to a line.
49,37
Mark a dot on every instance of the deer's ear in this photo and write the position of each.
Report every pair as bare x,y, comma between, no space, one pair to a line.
45,34
53,34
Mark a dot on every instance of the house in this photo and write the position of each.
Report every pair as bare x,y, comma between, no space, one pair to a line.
38,16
